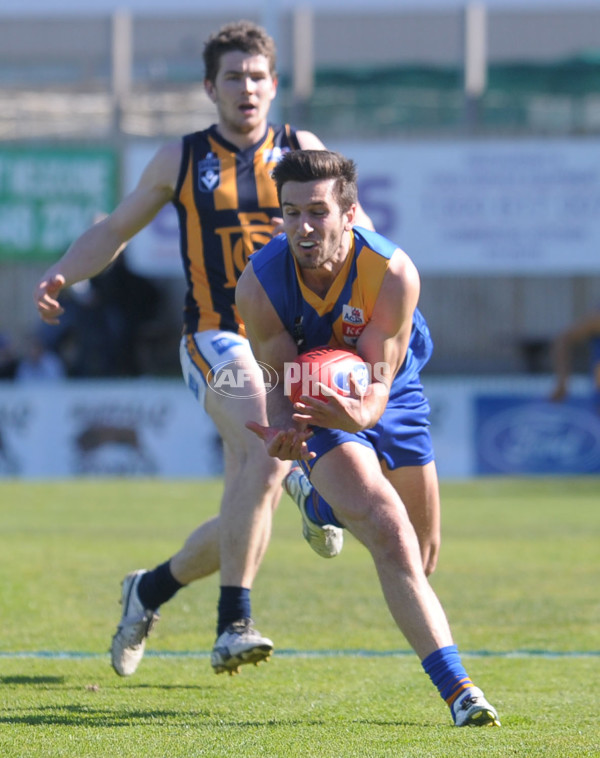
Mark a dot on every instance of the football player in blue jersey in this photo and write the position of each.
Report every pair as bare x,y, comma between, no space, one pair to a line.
369,454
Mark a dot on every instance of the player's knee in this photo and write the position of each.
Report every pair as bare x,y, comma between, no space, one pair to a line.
393,543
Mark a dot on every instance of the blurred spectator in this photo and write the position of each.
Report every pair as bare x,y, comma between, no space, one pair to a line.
104,323
39,364
130,302
8,358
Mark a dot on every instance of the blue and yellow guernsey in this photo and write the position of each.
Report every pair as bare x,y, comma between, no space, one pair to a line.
339,318
225,199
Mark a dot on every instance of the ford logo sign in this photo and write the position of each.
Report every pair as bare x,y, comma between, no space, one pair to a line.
539,438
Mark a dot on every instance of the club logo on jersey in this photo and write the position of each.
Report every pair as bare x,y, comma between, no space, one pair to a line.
353,322
209,173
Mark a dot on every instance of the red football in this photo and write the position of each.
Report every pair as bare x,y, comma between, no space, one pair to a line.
328,365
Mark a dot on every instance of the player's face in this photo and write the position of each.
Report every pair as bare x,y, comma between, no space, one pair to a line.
242,91
316,228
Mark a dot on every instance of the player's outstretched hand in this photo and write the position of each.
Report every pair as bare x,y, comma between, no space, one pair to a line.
46,299
285,444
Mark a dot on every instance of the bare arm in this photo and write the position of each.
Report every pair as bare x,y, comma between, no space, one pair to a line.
273,345
97,247
562,351
383,345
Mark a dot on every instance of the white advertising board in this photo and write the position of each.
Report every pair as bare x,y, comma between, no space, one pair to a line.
512,207
119,428
156,428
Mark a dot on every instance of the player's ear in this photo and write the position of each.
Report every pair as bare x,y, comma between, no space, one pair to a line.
209,88
350,217
274,83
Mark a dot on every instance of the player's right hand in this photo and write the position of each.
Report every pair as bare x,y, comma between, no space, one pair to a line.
287,445
46,299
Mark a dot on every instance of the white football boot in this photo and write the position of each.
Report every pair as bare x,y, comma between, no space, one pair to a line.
472,709
240,643
326,540
129,641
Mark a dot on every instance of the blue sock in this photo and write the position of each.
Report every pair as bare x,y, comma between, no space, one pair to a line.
447,672
318,509
157,586
234,604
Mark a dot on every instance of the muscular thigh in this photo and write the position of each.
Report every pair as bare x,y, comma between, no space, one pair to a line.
349,478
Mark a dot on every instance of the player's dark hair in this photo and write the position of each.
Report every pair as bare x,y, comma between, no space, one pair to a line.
245,36
312,165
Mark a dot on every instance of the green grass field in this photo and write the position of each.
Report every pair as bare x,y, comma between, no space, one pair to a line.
519,576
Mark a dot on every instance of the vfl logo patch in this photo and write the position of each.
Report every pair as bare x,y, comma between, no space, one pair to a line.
209,173
353,322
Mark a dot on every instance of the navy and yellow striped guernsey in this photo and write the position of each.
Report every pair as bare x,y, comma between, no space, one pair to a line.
339,318
225,199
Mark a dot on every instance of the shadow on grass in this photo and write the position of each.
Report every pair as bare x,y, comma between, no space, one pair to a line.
101,718
89,717
84,716
32,680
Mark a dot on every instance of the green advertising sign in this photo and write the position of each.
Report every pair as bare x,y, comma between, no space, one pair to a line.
49,196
